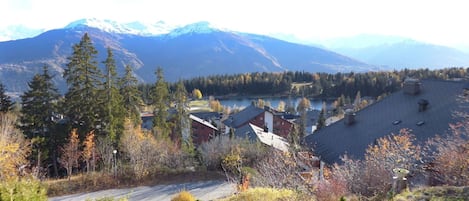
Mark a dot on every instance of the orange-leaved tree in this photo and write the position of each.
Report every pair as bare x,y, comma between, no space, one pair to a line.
89,151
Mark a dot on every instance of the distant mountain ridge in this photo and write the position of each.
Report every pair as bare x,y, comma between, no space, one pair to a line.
193,50
393,52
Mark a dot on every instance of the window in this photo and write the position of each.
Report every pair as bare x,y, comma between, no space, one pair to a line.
420,123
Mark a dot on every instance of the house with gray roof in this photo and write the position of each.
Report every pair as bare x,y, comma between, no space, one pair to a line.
425,107
266,117
255,133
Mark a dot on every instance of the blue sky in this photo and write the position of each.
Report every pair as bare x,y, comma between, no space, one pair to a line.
439,22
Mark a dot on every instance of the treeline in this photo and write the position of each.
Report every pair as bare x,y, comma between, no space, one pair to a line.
315,85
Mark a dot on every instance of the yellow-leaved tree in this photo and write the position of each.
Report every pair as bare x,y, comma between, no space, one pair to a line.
13,147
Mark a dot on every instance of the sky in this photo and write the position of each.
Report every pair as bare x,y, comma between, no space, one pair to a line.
442,22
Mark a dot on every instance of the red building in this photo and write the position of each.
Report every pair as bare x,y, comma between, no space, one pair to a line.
266,118
202,131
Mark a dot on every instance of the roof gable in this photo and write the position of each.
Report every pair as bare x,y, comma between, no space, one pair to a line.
376,121
242,117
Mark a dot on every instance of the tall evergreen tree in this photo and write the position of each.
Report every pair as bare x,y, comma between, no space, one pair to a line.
132,99
182,122
161,101
5,101
38,119
113,114
84,79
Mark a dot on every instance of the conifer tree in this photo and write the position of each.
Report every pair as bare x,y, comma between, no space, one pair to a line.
83,79
182,121
160,98
131,96
39,110
113,114
5,101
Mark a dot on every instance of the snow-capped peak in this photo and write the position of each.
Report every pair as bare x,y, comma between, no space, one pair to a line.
198,27
136,28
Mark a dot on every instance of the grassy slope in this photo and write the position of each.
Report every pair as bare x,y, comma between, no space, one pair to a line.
446,193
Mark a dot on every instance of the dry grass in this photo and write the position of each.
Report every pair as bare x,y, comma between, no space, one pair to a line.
447,193
199,106
268,194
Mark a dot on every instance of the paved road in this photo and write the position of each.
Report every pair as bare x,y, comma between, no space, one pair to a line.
205,190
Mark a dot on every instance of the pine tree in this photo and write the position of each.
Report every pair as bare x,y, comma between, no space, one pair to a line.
131,96
5,101
182,125
160,98
113,114
84,79
39,110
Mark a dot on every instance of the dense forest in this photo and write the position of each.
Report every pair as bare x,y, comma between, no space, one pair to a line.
311,85
320,85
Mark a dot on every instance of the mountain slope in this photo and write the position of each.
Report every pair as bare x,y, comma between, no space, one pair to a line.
193,50
397,52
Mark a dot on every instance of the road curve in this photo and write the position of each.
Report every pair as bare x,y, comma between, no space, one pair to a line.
204,190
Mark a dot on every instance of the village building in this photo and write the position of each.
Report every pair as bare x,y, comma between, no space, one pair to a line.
426,108
266,118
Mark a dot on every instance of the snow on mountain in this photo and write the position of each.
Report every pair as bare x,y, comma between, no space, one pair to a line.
18,32
198,27
135,28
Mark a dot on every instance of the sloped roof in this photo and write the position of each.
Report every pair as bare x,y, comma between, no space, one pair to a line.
376,121
240,118
203,122
253,132
207,115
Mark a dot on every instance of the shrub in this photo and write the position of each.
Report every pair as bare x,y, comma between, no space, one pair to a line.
373,176
214,151
267,194
22,190
278,169
449,162
183,196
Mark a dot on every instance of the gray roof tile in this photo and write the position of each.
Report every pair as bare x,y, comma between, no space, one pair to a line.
376,121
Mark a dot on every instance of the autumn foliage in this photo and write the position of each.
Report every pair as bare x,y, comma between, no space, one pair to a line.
71,152
13,147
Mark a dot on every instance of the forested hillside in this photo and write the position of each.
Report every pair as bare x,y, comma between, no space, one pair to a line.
317,85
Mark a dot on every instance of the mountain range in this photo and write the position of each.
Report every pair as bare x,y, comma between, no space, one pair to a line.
394,52
201,49
193,50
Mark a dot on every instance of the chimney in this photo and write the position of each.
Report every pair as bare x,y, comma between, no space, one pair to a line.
349,117
412,86
423,105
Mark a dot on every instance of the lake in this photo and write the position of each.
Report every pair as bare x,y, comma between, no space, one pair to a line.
274,101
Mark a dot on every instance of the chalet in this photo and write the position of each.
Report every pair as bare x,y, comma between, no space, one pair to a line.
267,118
424,107
255,133
202,131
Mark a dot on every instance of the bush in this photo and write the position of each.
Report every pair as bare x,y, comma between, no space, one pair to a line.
24,189
373,176
267,194
214,151
183,196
